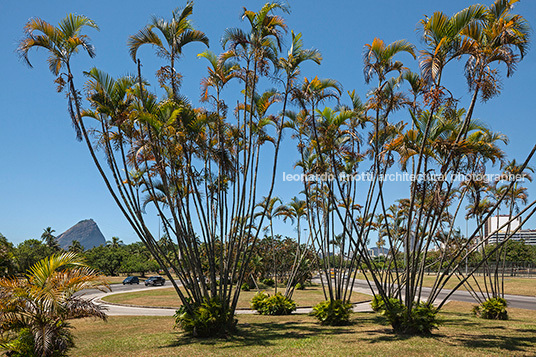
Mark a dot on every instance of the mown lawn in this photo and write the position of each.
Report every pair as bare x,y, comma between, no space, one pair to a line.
512,285
300,335
311,296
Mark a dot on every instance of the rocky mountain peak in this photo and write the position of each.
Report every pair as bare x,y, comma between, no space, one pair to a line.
87,232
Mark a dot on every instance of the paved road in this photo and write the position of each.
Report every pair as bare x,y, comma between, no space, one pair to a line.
361,286
518,301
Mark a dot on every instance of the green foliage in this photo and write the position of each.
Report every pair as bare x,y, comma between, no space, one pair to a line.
21,346
263,265
7,266
30,252
333,312
300,286
421,320
516,251
377,303
272,305
258,299
492,309
106,259
245,287
42,303
208,319
268,282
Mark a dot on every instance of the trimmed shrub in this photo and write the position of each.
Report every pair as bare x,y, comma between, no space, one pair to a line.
492,309
258,299
272,305
207,320
333,312
421,321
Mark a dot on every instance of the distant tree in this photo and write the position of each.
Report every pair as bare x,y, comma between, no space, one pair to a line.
137,259
76,247
516,251
50,239
7,266
105,259
114,243
28,253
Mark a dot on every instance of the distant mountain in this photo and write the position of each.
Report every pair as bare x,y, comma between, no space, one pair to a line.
86,232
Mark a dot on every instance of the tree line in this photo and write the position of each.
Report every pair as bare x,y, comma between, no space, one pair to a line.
115,258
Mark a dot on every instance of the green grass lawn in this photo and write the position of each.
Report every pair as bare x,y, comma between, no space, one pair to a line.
168,297
512,285
460,335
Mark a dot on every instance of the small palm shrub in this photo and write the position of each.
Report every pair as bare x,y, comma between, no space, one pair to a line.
300,286
245,287
208,319
333,312
277,304
492,309
34,312
421,321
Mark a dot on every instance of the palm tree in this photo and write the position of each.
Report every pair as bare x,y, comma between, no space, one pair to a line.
378,58
50,240
61,42
76,247
295,210
500,37
220,72
42,303
177,33
269,210
258,46
512,171
441,34
379,61
114,243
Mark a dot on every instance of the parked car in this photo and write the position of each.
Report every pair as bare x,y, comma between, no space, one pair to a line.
131,280
155,280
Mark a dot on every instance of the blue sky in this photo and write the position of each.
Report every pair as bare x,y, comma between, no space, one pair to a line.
47,177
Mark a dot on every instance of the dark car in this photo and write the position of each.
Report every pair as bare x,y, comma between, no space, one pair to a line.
131,280
155,280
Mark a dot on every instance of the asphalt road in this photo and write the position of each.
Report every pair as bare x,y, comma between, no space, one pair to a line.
361,286
518,301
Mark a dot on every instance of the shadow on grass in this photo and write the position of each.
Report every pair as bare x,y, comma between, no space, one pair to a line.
374,330
265,334
507,343
380,335
516,340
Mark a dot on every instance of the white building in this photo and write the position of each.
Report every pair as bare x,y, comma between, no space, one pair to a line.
496,222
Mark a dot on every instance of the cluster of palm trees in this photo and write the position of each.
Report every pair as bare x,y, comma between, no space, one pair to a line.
198,168
444,139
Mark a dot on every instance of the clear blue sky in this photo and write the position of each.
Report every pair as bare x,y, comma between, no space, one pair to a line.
47,178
